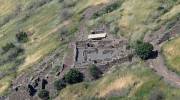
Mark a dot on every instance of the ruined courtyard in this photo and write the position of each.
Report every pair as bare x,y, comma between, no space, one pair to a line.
98,51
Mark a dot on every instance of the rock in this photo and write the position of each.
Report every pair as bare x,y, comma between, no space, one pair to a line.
32,90
44,83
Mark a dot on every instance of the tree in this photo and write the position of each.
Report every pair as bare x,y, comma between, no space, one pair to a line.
22,37
43,94
73,76
59,84
95,72
143,49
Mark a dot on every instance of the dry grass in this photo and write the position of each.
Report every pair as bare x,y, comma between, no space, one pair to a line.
101,88
3,87
173,12
30,59
5,83
138,82
135,14
6,7
172,54
116,85
96,2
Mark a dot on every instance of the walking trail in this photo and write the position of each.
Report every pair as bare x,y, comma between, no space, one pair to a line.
158,64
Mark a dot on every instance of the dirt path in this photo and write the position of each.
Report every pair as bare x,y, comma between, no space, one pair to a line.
161,69
158,63
87,14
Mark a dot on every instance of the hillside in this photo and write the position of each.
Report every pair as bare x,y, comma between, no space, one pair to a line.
51,25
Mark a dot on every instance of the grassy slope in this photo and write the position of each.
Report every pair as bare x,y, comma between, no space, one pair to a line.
133,83
137,17
171,51
134,17
44,23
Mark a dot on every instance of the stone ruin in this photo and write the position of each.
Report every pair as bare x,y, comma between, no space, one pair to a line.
101,52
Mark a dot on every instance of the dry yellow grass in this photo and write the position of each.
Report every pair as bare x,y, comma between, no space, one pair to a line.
172,54
96,2
116,85
135,14
136,88
101,88
5,83
6,6
175,10
31,59
3,87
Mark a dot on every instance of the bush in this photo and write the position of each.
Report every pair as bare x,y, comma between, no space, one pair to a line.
59,84
43,94
22,37
143,49
15,52
73,76
7,47
95,72
11,51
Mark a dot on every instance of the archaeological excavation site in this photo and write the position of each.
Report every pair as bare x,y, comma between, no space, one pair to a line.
89,49
99,49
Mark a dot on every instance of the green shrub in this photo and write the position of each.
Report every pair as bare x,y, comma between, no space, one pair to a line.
94,72
15,52
11,51
143,49
59,84
73,76
22,37
7,47
43,94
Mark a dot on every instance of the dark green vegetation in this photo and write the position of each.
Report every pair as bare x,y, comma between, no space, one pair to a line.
73,76
59,84
143,50
43,94
95,72
11,54
22,37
